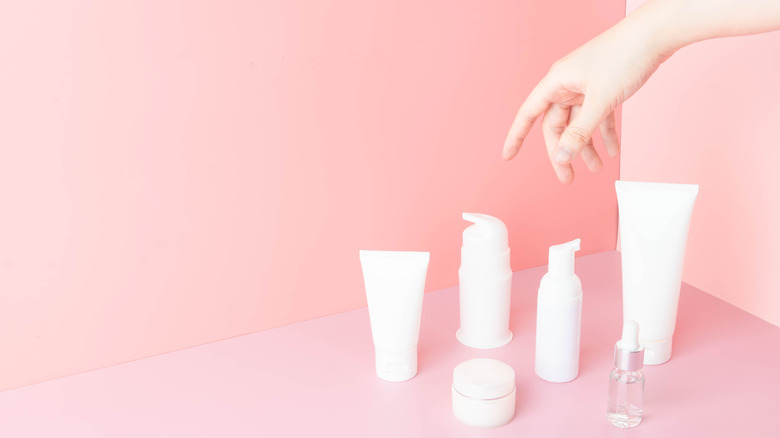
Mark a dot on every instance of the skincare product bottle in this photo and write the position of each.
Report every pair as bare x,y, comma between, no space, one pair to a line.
485,283
558,314
627,382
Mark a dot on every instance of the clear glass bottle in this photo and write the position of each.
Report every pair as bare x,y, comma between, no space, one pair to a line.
626,381
626,390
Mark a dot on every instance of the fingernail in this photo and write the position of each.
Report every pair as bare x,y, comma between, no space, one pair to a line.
563,156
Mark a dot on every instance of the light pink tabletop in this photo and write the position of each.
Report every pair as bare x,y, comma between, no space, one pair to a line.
317,378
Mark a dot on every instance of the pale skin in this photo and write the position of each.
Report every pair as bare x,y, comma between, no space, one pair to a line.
582,90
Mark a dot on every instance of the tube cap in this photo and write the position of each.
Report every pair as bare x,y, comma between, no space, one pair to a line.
396,367
657,352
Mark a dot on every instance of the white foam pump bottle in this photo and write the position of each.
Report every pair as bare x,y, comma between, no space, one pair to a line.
558,315
485,283
626,381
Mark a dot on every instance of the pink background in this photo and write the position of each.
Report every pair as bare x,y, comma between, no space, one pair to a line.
173,173
709,116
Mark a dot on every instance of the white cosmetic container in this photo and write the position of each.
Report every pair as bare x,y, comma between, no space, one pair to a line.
485,283
654,222
395,282
483,393
558,316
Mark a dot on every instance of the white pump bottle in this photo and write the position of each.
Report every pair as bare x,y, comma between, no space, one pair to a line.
558,315
485,283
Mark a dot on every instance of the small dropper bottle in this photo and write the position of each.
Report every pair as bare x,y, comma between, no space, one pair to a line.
626,381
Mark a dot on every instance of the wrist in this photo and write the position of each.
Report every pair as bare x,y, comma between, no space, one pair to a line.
659,27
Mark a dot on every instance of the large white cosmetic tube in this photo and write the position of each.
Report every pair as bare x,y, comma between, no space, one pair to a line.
654,222
395,282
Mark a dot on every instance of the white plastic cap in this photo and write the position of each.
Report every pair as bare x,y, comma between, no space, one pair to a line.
485,247
488,235
396,367
561,258
483,379
629,353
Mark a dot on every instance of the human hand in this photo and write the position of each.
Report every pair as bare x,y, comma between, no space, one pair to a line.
581,92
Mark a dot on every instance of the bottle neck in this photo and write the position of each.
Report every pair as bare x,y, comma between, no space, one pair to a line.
627,360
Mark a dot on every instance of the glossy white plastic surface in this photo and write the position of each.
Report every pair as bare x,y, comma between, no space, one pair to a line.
395,282
558,317
483,392
485,283
654,222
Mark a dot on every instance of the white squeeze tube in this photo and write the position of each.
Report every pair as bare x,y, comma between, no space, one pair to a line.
395,282
654,222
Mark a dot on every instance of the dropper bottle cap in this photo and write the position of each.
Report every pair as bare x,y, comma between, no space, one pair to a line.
629,353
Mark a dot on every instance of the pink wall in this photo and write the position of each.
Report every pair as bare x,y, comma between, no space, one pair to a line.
174,173
709,116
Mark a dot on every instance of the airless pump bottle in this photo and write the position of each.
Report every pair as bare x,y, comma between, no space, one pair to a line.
485,283
558,314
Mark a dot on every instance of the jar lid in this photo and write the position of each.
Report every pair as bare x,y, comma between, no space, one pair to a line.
484,379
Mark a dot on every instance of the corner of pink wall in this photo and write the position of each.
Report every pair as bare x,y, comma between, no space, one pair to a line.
177,173
707,117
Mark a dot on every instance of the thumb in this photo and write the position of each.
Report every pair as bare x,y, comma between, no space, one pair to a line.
577,135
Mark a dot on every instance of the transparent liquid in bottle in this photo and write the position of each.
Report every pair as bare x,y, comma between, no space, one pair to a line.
626,391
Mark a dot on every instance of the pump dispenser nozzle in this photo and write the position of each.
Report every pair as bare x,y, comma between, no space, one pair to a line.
561,260
488,237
